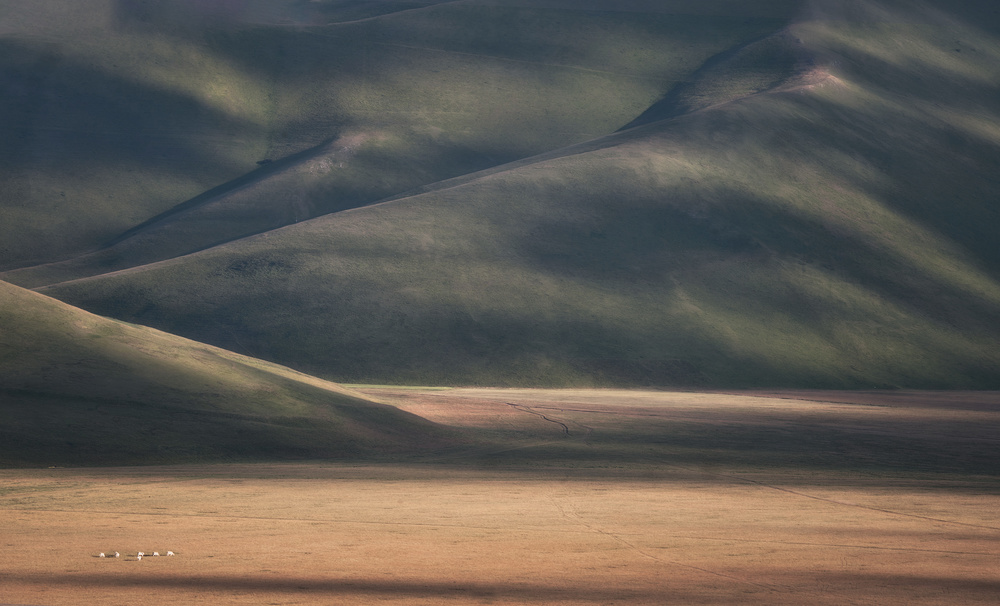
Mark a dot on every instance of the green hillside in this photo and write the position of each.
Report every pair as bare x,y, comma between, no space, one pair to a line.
834,228
707,194
79,389
143,123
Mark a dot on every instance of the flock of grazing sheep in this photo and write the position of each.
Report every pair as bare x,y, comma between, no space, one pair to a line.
138,555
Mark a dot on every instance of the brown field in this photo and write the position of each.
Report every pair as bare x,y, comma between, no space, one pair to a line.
570,497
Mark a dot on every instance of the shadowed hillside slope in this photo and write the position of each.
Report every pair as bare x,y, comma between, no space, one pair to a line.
163,128
79,389
835,229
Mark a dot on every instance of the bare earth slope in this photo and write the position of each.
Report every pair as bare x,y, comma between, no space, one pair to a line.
834,230
80,389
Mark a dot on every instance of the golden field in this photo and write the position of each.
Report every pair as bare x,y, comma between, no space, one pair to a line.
571,497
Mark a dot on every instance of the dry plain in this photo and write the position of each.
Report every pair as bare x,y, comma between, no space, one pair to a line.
567,497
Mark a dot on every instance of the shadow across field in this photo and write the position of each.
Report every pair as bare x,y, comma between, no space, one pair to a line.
569,497
526,592
317,586
355,587
854,435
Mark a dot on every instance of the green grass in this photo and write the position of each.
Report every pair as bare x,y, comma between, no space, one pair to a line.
810,208
83,390
141,110
108,126
834,232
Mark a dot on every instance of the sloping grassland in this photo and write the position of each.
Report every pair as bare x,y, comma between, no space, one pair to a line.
79,389
831,228
167,127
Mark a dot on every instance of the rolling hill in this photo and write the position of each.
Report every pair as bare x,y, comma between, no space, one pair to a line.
679,194
79,389
202,122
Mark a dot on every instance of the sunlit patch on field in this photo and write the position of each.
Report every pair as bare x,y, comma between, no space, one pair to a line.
646,498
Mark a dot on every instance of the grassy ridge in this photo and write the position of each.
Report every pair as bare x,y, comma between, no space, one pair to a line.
79,389
836,231
142,106
106,126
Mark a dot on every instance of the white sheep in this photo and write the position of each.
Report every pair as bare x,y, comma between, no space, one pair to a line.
101,555
118,555
156,553
170,553
140,554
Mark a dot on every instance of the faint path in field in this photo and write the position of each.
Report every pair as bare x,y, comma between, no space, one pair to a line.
587,428
523,408
569,514
827,499
832,545
536,405
573,516
868,507
741,478
566,430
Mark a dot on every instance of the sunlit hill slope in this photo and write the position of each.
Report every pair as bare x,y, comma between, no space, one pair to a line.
79,389
777,195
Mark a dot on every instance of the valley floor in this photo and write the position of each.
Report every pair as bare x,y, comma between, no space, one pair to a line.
570,497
